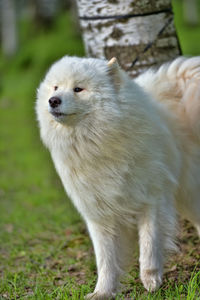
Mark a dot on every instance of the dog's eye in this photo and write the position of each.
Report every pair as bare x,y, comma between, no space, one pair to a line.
78,89
55,87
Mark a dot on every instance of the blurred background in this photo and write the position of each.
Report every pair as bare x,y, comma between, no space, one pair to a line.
33,205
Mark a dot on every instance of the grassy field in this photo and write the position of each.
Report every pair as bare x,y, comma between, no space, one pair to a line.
45,252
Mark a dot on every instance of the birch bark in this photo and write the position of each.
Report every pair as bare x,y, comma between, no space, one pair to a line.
126,38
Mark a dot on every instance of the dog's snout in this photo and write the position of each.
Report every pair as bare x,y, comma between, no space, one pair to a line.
54,102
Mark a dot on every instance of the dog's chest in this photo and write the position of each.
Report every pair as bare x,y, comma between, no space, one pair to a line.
90,180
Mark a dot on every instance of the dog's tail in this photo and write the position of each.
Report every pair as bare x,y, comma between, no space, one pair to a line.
177,84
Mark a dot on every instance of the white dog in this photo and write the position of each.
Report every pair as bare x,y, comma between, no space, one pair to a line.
128,154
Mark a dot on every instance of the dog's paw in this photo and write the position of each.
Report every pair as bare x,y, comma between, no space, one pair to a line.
151,279
99,296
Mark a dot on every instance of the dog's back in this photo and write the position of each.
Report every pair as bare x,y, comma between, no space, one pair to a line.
177,85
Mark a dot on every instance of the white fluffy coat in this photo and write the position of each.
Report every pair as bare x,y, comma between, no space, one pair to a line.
128,154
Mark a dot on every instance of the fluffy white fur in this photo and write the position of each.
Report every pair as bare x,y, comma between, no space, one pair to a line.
128,154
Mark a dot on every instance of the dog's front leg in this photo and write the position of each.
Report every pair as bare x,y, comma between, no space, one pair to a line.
106,250
151,249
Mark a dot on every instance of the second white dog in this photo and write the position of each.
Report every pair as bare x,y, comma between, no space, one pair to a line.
128,154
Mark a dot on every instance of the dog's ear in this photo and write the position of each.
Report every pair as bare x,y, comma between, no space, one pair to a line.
113,62
114,72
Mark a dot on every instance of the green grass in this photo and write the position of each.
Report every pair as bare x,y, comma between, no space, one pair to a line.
45,252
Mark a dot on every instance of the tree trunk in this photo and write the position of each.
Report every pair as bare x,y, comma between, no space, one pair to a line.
140,33
9,34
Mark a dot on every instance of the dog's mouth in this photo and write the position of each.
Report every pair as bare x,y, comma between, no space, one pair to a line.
60,114
57,114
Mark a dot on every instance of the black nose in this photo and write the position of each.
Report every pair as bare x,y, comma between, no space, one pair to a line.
54,102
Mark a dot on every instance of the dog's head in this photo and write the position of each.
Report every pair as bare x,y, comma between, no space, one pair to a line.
75,87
